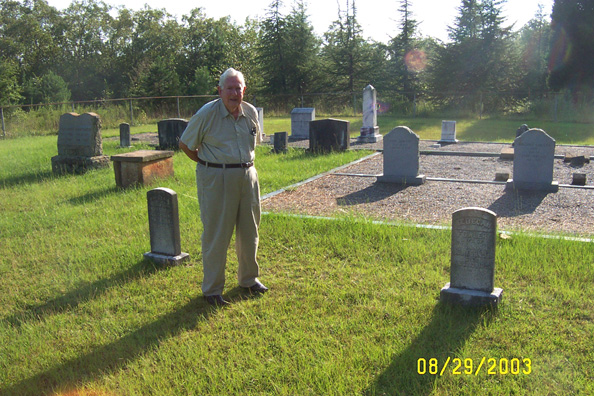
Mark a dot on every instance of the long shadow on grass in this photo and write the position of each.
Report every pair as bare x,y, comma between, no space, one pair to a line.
73,299
443,337
517,202
374,193
116,355
93,196
27,178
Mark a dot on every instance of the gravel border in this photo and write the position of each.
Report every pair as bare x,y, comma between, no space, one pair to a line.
354,190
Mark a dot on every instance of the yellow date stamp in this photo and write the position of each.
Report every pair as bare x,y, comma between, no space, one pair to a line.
468,366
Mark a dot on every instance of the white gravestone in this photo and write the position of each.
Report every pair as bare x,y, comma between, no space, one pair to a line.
261,135
534,156
300,119
448,132
474,234
369,130
401,158
164,227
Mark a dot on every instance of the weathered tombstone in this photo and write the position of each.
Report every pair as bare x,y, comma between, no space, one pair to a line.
164,227
281,142
474,233
401,158
80,147
448,132
369,130
142,167
300,119
329,135
170,131
261,135
578,179
523,128
125,135
534,154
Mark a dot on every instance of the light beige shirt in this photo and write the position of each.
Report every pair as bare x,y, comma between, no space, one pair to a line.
219,136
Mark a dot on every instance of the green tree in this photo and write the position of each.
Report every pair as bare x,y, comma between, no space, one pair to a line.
572,51
49,88
533,42
10,89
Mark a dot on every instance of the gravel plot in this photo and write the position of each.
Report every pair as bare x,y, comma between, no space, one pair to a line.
571,210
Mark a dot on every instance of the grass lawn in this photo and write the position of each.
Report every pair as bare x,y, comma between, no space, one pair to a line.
353,307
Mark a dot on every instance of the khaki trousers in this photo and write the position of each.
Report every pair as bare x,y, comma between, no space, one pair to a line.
228,198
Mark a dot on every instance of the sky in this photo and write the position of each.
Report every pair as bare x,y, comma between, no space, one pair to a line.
379,19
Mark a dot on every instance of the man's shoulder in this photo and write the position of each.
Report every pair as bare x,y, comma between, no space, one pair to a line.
210,107
249,110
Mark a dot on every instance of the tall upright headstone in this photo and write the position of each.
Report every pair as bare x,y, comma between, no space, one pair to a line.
329,135
125,135
163,217
260,135
534,156
369,130
300,119
401,158
474,234
80,147
170,131
448,132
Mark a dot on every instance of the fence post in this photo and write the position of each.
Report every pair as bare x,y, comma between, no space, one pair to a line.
414,105
178,112
131,114
2,116
555,108
354,105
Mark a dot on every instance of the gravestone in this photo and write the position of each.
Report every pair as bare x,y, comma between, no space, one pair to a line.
125,135
261,135
523,128
281,142
534,155
164,227
369,130
448,132
401,158
170,131
329,135
474,233
80,147
300,119
142,167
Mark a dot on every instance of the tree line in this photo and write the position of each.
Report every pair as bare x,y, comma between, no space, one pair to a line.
93,51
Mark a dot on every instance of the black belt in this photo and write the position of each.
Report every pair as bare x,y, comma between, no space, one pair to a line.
225,166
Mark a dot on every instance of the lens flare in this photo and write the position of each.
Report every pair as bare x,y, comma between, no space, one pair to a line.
415,60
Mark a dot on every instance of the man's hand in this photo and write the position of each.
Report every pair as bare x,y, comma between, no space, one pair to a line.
192,154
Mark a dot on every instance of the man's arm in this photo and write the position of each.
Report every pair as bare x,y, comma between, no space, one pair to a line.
192,154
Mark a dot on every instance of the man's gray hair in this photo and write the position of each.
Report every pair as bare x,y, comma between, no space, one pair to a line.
231,72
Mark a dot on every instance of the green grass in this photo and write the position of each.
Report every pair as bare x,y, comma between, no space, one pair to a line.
352,307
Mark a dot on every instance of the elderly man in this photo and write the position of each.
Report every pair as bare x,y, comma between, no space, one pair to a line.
221,138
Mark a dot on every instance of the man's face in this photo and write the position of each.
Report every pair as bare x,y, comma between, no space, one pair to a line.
232,93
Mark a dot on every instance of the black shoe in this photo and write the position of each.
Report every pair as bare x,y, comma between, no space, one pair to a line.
257,288
216,300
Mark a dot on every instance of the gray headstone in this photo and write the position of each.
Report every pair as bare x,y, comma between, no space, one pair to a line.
80,146
300,119
164,227
125,135
448,132
369,130
401,157
170,131
534,155
523,128
80,135
281,141
329,135
474,233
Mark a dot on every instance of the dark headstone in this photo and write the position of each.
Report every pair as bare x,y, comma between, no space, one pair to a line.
329,135
125,135
170,132
281,142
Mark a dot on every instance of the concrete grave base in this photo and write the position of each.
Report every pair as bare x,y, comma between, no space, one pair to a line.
370,135
142,167
163,259
453,295
62,164
407,181
550,187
